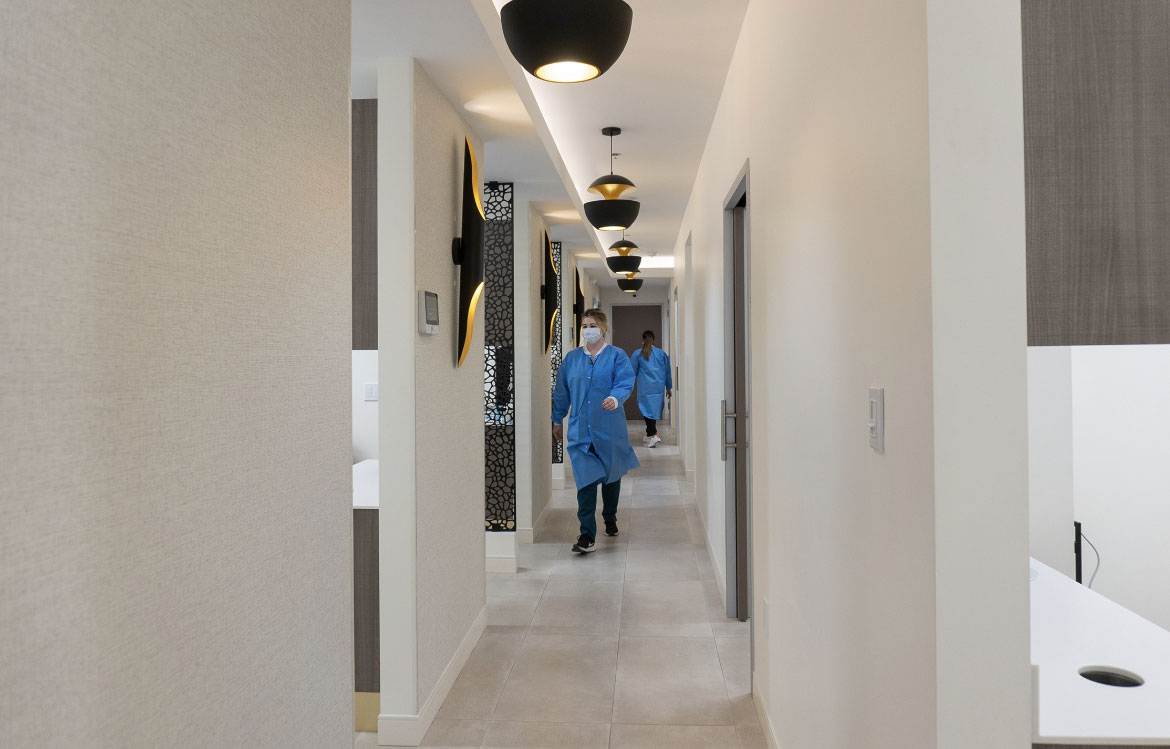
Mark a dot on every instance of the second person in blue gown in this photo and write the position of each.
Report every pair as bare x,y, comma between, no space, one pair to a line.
592,384
651,367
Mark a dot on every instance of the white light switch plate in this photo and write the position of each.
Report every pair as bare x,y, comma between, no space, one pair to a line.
371,391
877,419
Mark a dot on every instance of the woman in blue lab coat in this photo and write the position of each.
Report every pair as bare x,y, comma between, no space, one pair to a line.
592,384
651,367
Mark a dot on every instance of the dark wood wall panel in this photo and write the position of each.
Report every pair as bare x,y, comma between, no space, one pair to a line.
364,151
1097,157
366,651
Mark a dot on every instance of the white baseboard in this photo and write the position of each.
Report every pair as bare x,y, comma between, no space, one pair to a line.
502,565
558,483
501,552
523,536
765,719
409,730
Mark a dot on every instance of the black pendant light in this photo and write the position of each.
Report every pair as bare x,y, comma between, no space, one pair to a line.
623,261
629,284
612,212
566,41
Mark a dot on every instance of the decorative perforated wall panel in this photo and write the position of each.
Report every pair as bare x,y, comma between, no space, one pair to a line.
499,401
555,353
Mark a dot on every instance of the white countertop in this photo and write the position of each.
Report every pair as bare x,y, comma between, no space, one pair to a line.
365,484
1074,627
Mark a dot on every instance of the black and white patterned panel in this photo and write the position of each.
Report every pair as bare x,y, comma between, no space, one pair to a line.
555,354
499,396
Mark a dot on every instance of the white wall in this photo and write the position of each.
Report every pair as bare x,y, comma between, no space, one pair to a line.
432,558
176,542
365,413
448,408
1050,456
886,244
1121,417
532,369
979,313
828,103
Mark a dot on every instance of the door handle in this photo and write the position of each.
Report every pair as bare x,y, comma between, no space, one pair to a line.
723,431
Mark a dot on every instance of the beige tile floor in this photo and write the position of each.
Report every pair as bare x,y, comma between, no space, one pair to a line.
624,648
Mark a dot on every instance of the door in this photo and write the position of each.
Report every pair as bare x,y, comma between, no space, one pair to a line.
735,407
628,323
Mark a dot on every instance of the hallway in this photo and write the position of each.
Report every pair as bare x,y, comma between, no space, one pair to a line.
627,647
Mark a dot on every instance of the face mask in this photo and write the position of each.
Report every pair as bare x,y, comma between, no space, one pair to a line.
591,335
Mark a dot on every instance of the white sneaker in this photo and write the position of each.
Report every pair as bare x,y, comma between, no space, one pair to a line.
645,440
654,441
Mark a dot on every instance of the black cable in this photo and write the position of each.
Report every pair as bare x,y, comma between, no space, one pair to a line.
1098,567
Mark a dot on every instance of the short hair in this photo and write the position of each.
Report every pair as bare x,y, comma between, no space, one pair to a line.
597,315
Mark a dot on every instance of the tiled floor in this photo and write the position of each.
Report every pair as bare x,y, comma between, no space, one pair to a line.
624,648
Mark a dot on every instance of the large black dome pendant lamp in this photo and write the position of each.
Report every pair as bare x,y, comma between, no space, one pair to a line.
623,261
566,41
612,212
629,283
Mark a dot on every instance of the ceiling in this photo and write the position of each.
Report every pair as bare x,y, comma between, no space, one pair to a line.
662,92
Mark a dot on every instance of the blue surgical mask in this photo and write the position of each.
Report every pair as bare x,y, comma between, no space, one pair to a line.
591,335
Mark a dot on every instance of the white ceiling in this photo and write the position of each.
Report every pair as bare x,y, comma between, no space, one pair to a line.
662,92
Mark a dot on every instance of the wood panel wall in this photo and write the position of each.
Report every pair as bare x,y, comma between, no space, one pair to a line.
366,666
364,149
1097,147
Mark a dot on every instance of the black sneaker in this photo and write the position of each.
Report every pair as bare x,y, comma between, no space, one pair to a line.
611,528
584,545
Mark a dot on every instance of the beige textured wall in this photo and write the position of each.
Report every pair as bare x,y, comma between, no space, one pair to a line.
175,551
449,436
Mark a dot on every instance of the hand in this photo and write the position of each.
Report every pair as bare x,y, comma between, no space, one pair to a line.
558,433
668,392
610,403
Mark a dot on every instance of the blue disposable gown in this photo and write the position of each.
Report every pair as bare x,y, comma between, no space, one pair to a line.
597,440
653,381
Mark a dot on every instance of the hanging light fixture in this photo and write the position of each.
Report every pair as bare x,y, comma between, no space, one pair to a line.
623,261
630,284
566,41
612,212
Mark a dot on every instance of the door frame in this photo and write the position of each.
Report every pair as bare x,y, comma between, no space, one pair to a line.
738,589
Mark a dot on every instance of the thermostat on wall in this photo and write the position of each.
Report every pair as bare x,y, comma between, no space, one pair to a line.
428,313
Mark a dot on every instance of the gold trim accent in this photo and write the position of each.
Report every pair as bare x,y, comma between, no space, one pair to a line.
366,706
476,187
470,323
612,191
630,276
552,326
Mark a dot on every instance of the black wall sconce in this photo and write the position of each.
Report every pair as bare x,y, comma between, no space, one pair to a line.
548,292
566,41
467,253
578,308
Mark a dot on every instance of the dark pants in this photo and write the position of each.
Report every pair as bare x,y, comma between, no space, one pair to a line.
587,505
651,426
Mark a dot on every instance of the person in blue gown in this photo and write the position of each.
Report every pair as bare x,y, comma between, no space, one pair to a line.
592,384
651,367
